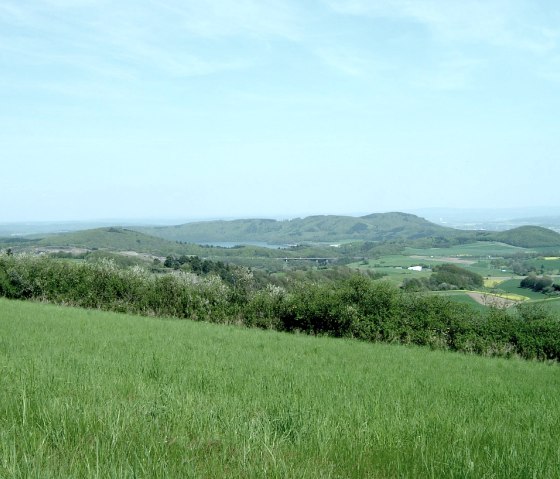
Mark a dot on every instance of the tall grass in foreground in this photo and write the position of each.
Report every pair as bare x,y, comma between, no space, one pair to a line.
94,394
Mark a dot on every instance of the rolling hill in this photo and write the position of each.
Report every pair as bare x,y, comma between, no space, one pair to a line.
109,238
119,239
378,228
329,228
529,237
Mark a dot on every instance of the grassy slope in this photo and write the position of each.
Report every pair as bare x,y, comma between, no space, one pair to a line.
512,286
553,304
462,297
110,238
90,394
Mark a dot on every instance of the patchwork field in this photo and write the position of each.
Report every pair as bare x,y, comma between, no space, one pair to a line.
476,257
495,282
549,264
512,286
477,249
92,394
395,267
553,304
462,297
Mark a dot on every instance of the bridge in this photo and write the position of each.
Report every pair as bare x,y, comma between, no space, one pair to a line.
309,259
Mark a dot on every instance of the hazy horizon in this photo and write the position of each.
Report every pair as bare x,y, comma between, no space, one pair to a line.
276,108
430,213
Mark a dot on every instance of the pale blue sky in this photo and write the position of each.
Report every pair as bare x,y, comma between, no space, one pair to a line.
276,108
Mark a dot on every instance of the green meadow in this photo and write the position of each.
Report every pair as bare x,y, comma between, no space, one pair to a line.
462,297
475,249
552,304
86,393
513,286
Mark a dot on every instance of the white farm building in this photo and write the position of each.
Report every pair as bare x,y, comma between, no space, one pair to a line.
415,268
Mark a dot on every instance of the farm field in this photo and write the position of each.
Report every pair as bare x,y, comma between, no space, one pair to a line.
461,297
477,249
484,268
512,286
495,281
93,394
395,266
393,261
550,264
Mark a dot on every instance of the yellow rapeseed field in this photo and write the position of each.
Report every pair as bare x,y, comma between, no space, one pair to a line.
493,282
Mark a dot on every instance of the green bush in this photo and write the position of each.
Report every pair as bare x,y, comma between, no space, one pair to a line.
354,307
456,277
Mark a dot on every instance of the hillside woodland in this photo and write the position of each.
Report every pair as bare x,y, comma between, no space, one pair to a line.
378,227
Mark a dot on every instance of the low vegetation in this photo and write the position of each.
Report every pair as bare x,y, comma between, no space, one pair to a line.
357,307
86,393
93,394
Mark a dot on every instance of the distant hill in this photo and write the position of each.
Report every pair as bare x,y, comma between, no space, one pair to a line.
329,228
529,237
378,228
113,238
119,239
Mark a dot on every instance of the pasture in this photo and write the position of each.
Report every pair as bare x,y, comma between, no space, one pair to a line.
395,267
512,286
548,265
479,249
461,297
552,304
95,394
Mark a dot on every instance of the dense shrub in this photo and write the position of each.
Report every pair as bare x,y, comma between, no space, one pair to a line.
456,277
415,285
354,307
543,284
105,286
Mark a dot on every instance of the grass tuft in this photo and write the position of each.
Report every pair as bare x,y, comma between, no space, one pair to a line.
95,394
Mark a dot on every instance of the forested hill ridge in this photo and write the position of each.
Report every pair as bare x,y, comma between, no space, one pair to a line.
405,229
332,228
528,237
320,228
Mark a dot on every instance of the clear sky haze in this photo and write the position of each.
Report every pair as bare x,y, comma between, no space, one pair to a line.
276,108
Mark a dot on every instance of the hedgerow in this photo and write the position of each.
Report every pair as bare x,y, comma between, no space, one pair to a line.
358,307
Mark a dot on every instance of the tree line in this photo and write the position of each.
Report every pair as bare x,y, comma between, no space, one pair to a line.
540,284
